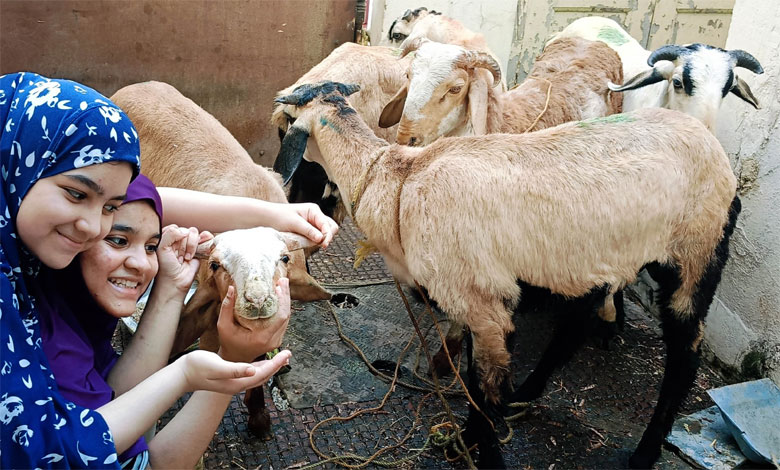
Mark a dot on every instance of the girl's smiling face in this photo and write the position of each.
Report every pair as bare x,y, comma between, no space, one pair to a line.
65,214
118,269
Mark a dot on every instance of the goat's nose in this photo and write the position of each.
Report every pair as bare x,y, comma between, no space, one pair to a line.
412,141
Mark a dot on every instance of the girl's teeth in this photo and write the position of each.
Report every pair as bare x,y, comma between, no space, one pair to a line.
128,284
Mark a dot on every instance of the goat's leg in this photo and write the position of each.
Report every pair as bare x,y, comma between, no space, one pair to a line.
259,423
489,382
454,341
683,332
611,317
303,287
574,319
478,430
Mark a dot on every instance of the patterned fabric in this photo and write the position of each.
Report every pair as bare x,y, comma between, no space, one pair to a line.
48,127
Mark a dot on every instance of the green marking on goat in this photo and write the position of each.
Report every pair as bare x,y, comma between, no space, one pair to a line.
324,121
612,36
613,118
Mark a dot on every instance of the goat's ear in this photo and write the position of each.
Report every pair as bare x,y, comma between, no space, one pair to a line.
741,89
645,78
291,152
295,241
478,102
391,115
204,249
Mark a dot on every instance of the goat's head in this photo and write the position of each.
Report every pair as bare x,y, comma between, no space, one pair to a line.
402,26
306,110
447,88
698,77
251,260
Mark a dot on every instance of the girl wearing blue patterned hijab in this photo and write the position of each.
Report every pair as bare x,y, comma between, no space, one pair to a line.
66,156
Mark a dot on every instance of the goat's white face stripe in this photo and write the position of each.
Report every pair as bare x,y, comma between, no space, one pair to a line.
709,71
251,257
432,64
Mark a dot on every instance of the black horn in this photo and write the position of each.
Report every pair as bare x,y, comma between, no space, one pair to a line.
671,52
747,61
303,94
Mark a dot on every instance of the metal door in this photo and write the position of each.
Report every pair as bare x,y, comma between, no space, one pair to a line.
652,22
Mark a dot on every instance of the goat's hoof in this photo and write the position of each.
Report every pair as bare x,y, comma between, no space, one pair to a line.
606,331
260,425
643,458
528,391
492,459
441,365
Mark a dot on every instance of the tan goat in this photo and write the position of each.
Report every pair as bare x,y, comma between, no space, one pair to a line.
592,202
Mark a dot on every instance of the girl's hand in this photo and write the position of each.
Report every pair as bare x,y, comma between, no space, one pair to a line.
238,343
203,370
175,254
305,219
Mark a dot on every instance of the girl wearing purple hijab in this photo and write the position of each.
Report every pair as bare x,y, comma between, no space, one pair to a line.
67,155
105,284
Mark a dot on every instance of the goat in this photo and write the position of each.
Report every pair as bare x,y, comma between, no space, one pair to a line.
693,79
592,203
380,74
183,146
251,260
568,82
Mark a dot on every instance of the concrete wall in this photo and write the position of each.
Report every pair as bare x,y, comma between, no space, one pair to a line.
495,19
746,314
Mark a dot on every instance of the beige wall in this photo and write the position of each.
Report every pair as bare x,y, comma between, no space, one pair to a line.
493,18
747,314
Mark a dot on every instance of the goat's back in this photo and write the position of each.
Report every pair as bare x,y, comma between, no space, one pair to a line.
574,72
591,202
183,146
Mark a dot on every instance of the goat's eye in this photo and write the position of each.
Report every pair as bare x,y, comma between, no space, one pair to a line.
455,90
677,83
285,259
214,265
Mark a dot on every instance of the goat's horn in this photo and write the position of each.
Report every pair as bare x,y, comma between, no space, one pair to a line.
747,61
411,46
483,60
670,52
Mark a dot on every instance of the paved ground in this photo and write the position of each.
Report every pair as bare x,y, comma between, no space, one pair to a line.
591,416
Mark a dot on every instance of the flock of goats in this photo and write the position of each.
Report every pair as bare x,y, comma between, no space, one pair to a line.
487,198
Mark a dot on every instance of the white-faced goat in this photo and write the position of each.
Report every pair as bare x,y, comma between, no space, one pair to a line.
250,260
447,96
380,74
592,202
402,26
693,79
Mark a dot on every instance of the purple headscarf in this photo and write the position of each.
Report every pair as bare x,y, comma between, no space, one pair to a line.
77,333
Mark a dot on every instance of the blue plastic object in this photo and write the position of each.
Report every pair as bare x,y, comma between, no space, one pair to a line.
751,411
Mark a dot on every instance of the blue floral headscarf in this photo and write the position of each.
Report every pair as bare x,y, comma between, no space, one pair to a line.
49,127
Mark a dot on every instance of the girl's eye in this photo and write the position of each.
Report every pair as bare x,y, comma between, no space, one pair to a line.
285,259
110,208
152,248
77,195
214,265
116,241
